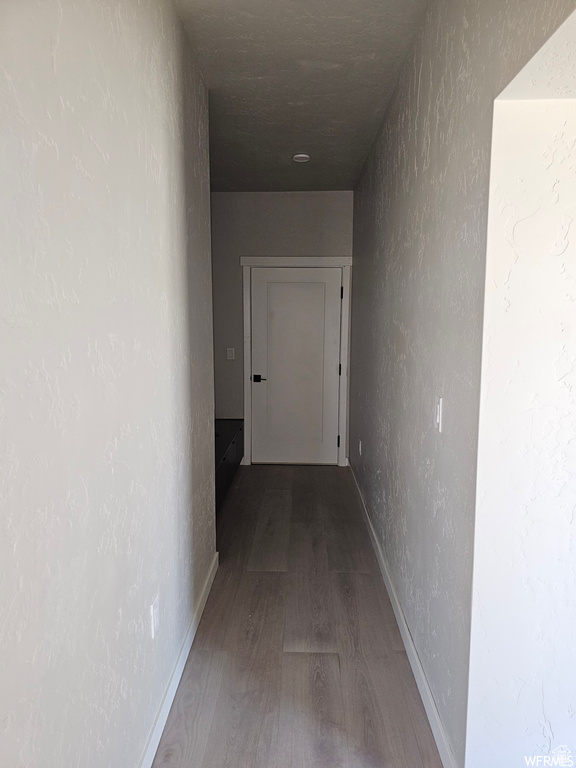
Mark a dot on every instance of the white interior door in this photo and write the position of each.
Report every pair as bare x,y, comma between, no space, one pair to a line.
296,315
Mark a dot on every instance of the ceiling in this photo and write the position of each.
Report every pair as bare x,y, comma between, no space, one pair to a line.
290,76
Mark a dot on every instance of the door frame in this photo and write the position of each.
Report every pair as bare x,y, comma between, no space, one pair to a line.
341,262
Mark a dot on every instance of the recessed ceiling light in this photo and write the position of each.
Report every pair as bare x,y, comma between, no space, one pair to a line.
301,157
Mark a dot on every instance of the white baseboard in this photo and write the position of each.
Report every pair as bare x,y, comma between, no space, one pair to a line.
446,754
164,711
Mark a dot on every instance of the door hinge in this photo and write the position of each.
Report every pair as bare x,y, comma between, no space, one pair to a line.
340,370
342,292
338,441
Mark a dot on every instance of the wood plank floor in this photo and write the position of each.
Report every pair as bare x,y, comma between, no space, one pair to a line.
298,661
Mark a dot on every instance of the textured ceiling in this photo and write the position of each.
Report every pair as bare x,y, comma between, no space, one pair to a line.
290,76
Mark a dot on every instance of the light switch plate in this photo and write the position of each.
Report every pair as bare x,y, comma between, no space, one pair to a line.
230,353
438,413
155,617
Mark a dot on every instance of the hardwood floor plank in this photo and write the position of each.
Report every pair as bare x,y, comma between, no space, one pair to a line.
236,521
307,551
269,550
349,548
309,625
422,730
387,612
245,717
347,539
307,495
245,714
339,495
364,623
256,618
378,724
183,743
277,477
310,731
214,625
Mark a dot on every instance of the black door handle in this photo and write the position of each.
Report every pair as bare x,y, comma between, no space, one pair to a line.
257,378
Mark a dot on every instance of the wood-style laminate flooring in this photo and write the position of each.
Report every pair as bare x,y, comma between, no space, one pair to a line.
298,661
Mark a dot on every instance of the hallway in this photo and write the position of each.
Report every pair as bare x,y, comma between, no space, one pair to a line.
298,660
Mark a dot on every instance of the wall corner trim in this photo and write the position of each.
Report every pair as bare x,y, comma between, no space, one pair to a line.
446,754
167,701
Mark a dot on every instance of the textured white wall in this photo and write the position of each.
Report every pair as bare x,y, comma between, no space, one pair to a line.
264,224
523,655
419,262
106,410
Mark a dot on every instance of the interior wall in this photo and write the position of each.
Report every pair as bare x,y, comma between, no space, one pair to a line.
106,404
523,663
419,261
523,660
264,224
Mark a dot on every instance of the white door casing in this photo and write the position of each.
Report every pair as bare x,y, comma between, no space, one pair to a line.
296,332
